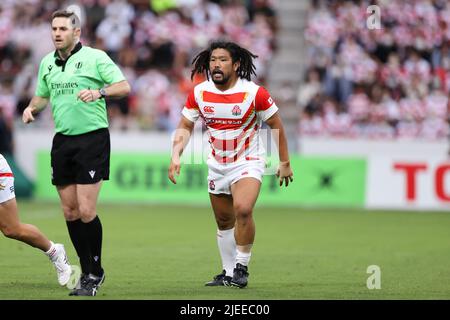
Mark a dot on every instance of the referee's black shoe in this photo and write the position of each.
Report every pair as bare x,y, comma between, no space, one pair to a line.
89,285
219,280
240,276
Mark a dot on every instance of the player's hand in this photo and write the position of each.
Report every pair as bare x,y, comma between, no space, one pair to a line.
174,168
284,173
27,115
88,95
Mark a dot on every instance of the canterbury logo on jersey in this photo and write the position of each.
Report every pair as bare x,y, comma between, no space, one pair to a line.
208,110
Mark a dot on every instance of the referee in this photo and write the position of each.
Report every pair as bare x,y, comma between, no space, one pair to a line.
76,79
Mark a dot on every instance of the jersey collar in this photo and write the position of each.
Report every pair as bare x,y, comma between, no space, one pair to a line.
77,48
62,63
230,90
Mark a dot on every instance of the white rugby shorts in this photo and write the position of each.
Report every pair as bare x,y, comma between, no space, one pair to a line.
6,181
222,176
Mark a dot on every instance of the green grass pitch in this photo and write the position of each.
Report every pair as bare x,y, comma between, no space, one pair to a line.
168,252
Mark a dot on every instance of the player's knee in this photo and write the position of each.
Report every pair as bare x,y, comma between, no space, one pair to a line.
71,212
243,211
12,232
225,222
86,212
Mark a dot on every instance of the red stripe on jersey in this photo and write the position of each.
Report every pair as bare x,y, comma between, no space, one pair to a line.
6,175
231,124
251,124
249,112
191,103
224,98
231,144
226,159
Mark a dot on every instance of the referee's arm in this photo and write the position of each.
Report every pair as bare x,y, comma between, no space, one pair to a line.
116,90
36,105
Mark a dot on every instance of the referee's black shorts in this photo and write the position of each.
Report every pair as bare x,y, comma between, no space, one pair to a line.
80,159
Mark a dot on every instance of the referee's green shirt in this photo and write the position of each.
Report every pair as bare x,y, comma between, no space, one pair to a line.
86,68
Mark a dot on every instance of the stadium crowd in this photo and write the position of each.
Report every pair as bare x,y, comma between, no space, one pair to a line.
386,83
153,41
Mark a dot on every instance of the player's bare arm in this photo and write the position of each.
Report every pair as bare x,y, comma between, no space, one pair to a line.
116,90
181,139
284,172
36,105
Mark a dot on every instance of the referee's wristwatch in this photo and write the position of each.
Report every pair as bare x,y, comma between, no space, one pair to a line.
102,92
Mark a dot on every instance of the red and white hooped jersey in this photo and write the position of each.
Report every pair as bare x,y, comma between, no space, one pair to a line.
5,170
6,181
233,118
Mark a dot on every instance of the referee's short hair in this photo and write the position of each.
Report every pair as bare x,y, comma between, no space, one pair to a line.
74,19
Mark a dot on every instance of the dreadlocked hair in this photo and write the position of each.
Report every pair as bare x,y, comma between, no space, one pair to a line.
246,66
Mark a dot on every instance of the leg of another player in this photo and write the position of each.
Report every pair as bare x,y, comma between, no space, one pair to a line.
222,205
11,227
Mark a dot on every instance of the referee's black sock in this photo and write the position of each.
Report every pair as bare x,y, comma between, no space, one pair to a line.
94,236
78,235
